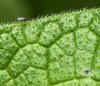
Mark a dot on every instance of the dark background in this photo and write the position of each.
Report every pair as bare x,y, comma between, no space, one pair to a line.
11,9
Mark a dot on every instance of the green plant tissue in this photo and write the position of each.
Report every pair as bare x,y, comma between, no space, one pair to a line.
58,50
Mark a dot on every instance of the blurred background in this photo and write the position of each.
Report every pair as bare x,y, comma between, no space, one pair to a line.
11,9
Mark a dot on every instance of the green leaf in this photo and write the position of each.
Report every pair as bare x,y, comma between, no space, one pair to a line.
57,50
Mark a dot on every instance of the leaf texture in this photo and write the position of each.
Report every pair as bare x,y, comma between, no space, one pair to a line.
56,50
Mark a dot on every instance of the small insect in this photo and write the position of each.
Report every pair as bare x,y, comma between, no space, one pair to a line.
86,72
23,19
